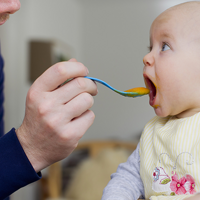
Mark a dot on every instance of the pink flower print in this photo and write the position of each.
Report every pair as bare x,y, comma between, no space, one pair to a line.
177,185
190,184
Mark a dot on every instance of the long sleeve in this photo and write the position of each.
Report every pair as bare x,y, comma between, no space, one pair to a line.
15,169
126,183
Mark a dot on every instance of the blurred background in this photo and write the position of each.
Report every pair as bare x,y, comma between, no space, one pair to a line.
109,36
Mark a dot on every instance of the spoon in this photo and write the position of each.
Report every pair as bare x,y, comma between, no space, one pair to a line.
134,92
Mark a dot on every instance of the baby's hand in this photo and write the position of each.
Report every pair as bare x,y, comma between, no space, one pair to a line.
195,197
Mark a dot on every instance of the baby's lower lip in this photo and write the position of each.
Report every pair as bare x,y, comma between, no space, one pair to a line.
152,98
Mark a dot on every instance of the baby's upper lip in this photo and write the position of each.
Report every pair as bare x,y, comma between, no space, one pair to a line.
149,82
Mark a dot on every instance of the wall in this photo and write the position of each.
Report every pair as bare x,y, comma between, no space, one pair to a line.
110,37
114,41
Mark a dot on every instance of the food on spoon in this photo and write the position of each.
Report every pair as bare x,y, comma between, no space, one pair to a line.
139,90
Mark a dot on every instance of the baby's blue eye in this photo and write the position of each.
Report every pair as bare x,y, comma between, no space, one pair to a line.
165,47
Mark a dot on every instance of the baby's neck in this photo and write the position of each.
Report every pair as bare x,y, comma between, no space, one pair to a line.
187,113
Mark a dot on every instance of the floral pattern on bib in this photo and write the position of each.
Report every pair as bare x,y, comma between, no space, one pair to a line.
163,183
172,185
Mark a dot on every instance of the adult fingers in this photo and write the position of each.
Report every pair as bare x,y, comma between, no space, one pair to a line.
73,88
78,126
72,60
59,73
77,106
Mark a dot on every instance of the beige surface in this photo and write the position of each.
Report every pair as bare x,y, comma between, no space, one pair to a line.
52,185
96,146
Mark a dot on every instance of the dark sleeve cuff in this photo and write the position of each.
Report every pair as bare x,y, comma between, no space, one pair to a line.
15,169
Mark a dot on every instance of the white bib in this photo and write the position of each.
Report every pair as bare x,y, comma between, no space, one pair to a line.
170,156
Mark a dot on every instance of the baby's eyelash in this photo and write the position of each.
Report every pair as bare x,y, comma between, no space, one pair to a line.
165,43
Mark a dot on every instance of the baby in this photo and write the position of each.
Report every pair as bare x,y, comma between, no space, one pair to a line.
166,163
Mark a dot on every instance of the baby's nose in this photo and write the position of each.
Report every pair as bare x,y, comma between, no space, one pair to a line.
148,60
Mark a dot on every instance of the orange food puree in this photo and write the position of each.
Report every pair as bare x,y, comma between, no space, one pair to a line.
139,90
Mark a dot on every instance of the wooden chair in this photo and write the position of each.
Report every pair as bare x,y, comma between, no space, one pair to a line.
52,184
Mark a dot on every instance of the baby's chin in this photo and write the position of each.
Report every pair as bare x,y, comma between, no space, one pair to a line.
161,112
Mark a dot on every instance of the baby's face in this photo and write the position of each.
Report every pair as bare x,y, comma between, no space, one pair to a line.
172,67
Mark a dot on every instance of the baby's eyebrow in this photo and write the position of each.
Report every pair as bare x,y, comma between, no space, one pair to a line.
166,35
162,34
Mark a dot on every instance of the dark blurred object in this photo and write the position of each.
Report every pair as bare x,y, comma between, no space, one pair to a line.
71,164
45,53
40,58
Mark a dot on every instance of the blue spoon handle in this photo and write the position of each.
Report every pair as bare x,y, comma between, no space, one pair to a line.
126,94
102,82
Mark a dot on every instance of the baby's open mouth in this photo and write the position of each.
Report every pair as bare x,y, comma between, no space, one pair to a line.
151,86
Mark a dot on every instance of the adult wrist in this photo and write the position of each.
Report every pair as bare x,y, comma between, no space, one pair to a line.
29,150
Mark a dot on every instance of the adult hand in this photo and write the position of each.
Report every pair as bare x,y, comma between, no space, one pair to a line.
56,117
